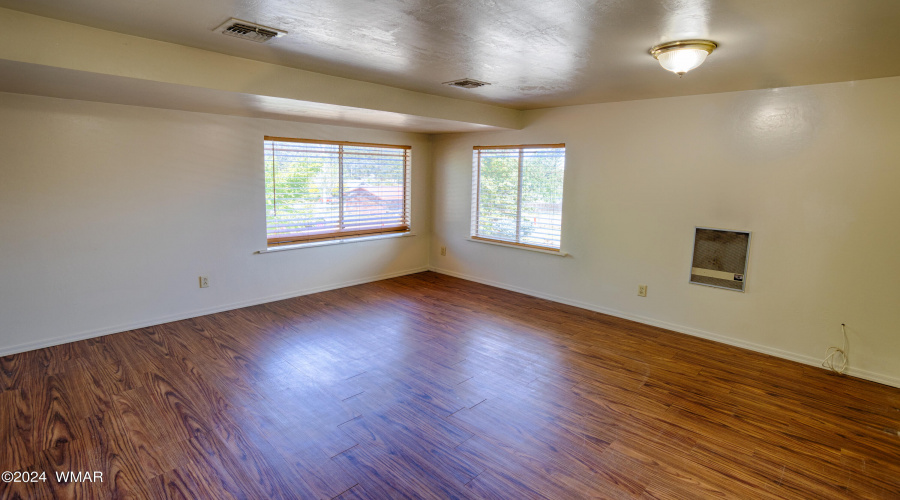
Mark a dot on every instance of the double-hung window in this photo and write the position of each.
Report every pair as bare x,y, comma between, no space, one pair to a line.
518,194
325,190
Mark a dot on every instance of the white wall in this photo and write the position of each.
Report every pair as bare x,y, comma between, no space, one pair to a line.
813,172
109,213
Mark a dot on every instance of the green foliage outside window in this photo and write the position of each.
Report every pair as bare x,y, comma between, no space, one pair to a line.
532,217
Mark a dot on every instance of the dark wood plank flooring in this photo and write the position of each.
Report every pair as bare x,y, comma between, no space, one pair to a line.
427,386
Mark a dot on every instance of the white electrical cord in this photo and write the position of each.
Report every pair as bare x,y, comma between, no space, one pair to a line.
833,353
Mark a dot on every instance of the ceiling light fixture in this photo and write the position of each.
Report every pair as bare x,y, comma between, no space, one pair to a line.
682,56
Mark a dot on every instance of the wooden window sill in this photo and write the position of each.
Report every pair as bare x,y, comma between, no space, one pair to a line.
560,253
351,239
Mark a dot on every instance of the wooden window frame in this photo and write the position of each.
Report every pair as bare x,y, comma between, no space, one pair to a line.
344,234
476,202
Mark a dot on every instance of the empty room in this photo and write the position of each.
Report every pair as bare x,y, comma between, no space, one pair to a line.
345,249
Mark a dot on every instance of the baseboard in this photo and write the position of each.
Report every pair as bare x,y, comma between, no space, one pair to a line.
6,351
792,356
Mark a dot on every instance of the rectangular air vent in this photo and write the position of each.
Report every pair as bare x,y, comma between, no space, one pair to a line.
249,31
467,83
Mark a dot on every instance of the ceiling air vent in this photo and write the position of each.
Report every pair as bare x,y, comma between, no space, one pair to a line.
249,31
466,83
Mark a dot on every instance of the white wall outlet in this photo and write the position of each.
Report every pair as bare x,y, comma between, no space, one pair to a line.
443,251
204,282
642,290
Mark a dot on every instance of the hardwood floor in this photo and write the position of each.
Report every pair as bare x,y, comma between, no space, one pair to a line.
427,386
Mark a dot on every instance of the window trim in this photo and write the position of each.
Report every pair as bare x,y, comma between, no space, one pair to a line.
499,243
339,241
473,236
344,235
345,143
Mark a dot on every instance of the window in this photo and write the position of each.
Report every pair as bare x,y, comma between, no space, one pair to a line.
322,190
518,194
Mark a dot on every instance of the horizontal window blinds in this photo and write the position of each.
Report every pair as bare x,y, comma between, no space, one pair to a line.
518,194
319,190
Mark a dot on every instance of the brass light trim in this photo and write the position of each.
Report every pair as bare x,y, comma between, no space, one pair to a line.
662,48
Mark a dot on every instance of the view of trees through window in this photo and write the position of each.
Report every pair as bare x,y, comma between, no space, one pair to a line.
518,194
329,190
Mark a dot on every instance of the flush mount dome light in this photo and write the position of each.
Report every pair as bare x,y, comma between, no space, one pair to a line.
682,56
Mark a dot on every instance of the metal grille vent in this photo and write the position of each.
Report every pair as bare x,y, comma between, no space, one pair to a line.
249,31
720,258
467,83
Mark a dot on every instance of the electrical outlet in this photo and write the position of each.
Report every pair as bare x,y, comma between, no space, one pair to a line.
204,282
642,290
443,251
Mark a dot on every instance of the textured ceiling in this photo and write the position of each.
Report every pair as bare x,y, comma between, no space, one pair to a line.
535,53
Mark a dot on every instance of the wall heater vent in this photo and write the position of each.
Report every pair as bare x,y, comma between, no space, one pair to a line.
720,258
